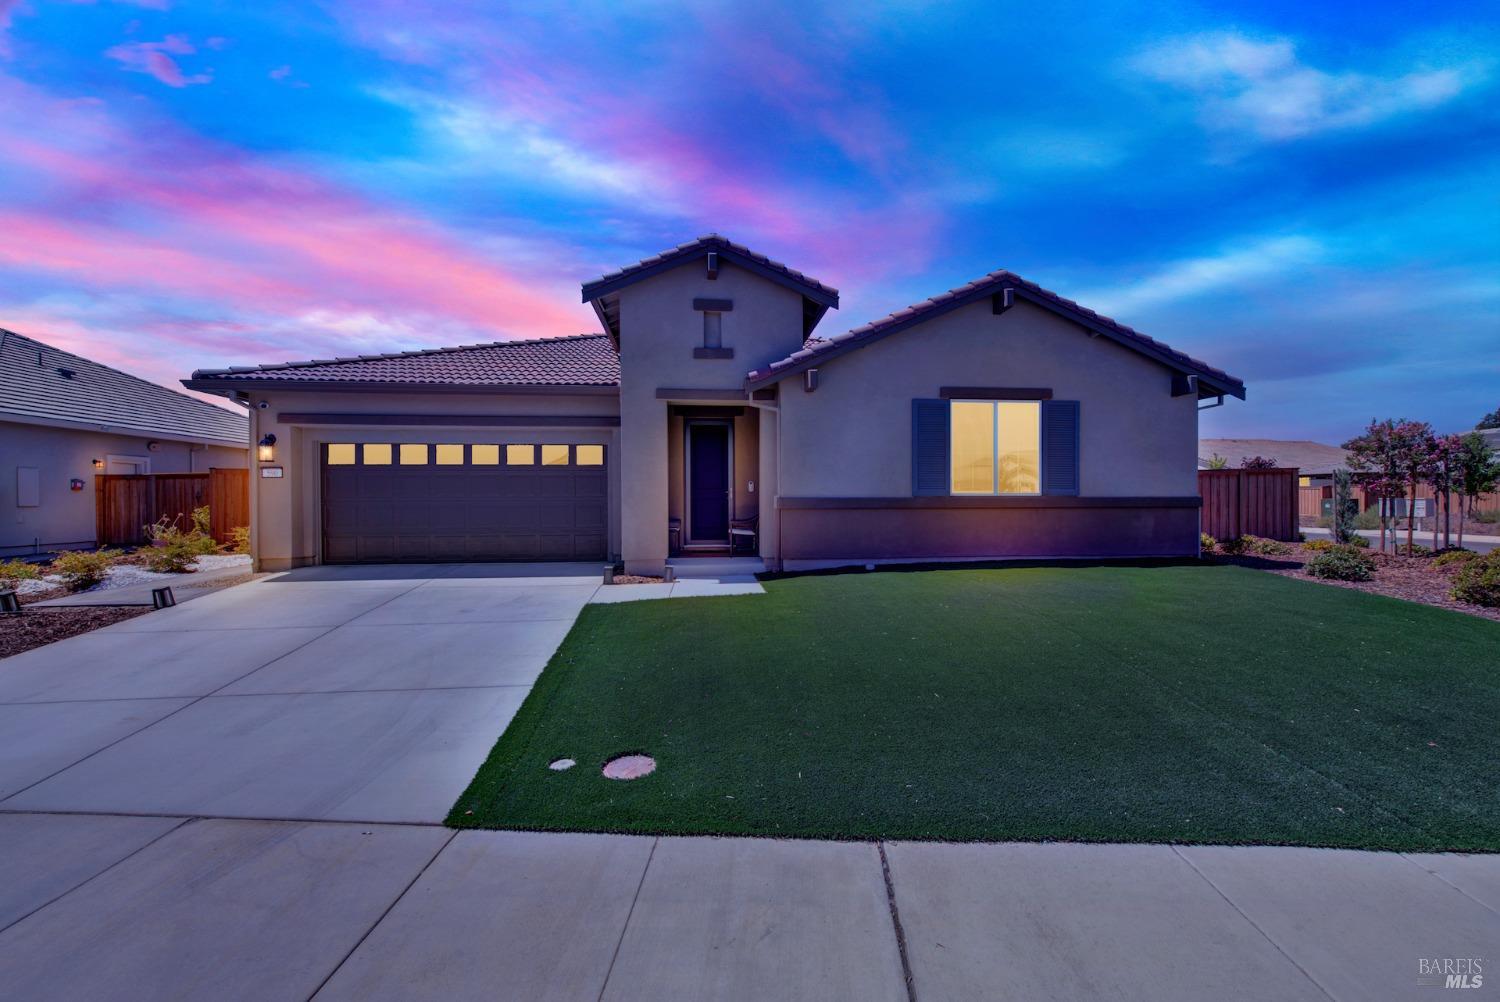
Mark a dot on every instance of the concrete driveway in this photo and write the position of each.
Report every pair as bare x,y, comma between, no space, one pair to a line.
349,693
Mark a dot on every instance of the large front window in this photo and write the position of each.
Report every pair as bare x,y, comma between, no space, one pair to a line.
996,446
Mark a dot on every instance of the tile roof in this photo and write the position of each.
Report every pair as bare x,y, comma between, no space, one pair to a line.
816,350
1312,458
707,242
575,360
42,383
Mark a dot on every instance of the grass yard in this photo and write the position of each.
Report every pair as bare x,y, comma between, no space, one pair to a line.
1175,703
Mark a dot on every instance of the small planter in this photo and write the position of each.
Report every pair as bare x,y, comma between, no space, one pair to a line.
10,602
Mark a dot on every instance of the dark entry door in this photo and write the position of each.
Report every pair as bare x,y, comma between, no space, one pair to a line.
708,483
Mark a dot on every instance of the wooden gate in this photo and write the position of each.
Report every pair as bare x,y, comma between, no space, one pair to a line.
125,504
1249,503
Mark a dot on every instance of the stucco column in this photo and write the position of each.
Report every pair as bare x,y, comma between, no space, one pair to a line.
643,482
770,485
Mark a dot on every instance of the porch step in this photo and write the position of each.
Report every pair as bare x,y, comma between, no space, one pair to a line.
689,568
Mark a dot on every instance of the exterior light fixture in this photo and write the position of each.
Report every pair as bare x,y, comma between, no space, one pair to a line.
98,464
265,450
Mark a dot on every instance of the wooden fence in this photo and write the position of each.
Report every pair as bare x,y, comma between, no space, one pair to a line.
1310,500
125,505
1249,503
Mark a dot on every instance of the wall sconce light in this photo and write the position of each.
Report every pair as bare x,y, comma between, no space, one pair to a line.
98,464
265,450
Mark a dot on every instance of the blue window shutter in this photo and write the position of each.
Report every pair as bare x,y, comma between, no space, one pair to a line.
1060,446
929,447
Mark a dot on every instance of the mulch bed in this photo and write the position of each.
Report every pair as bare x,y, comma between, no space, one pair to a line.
1414,579
637,579
36,627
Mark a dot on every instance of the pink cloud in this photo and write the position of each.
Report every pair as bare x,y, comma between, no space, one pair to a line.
174,213
155,59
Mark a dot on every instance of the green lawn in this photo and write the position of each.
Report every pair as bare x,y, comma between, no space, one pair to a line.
1195,703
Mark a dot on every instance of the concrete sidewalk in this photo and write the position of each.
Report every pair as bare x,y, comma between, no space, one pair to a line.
164,907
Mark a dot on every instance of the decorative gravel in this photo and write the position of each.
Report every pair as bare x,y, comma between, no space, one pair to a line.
126,575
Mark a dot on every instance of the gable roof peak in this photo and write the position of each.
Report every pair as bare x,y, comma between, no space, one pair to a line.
602,292
1215,380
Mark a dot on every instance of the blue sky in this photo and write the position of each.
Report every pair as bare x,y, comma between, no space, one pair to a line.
1307,195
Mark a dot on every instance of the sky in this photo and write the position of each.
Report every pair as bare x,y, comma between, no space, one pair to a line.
1304,194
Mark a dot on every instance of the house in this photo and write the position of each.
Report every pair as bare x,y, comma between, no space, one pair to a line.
996,419
65,419
1314,461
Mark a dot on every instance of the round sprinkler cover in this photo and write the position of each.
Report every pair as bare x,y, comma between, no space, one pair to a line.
629,767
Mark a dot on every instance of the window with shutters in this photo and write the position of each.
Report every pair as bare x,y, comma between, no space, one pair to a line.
996,447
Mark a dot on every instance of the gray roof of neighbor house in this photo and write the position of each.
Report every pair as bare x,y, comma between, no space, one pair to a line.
1212,381
579,360
602,292
1312,458
40,384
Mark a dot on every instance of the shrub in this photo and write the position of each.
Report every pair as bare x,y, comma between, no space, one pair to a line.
1478,580
1414,550
1342,563
80,569
1207,543
1368,519
1359,541
1318,545
239,539
1487,517
173,557
1232,547
1265,547
13,572
172,550
1449,558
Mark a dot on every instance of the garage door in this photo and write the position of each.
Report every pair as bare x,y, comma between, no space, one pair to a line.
448,501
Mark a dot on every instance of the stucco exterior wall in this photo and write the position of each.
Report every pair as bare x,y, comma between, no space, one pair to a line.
286,518
658,331
852,436
65,518
851,439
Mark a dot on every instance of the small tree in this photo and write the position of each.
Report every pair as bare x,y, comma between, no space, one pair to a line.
1398,456
1217,462
1257,463
1442,477
1375,456
1490,420
1477,473
1345,509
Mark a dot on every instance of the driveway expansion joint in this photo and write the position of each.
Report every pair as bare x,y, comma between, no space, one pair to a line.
1254,924
890,897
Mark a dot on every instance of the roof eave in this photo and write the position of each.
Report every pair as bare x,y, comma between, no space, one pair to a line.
129,431
223,384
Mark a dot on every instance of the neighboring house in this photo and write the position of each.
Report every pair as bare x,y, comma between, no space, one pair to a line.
1314,460
64,419
994,420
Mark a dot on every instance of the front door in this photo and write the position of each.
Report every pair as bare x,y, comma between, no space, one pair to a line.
708,482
